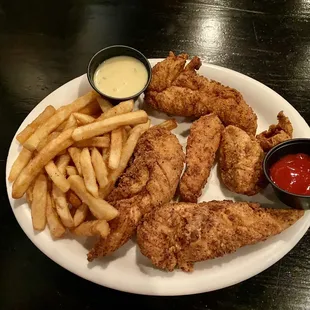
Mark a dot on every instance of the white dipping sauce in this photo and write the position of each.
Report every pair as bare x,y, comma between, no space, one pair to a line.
120,76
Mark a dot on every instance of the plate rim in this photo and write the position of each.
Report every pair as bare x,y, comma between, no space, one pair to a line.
148,291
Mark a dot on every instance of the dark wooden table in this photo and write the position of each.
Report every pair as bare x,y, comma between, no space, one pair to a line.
44,44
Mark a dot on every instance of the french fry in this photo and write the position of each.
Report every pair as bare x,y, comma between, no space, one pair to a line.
121,108
169,124
75,154
62,163
73,199
29,194
29,173
106,155
80,214
57,177
62,207
71,122
127,128
55,226
38,206
88,172
99,167
103,141
92,108
62,126
31,128
93,228
83,119
102,127
127,152
71,170
125,135
104,104
98,207
54,121
144,127
115,148
47,139
20,163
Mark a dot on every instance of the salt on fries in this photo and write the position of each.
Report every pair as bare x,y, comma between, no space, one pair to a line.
98,207
38,205
31,128
54,224
75,154
20,163
62,163
55,120
88,172
109,124
70,160
116,147
62,206
122,108
28,174
100,168
83,119
103,141
57,177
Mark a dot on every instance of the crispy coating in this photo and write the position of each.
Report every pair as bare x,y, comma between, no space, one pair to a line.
189,94
180,234
276,133
165,72
202,144
149,181
240,162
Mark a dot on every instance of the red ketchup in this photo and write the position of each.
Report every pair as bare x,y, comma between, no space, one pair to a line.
292,173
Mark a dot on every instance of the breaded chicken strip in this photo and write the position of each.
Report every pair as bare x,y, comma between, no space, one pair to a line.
166,71
202,144
180,234
189,94
149,181
276,133
240,162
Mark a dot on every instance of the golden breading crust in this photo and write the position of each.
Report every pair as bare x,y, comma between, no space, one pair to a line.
166,71
240,162
183,92
149,181
276,133
180,234
202,144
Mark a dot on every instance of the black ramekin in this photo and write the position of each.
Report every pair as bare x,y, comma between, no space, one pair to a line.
292,146
112,51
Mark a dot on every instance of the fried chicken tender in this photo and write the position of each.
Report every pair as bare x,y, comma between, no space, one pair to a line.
149,181
276,133
240,162
165,72
188,94
180,234
202,144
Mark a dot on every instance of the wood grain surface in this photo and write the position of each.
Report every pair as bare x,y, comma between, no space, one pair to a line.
44,44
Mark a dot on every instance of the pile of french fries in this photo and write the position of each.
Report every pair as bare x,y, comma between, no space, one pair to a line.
70,160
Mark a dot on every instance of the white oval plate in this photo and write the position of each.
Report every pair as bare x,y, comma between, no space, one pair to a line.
127,270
